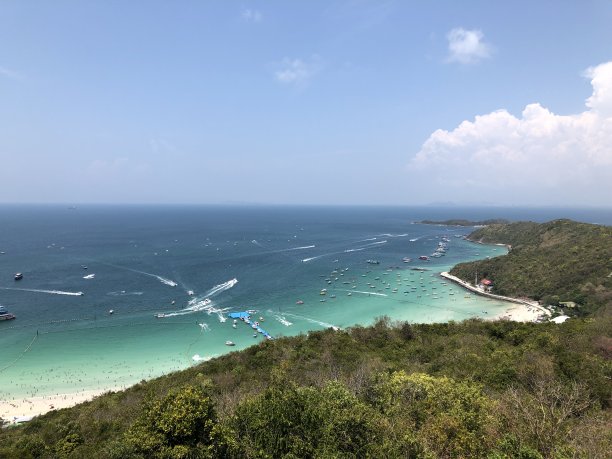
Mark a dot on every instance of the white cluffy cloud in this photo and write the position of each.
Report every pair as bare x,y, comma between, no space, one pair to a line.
539,158
297,71
467,46
249,15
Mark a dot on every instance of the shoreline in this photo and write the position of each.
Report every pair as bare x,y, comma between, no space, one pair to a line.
24,409
523,311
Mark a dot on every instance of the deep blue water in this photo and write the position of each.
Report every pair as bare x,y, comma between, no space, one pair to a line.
277,255
201,247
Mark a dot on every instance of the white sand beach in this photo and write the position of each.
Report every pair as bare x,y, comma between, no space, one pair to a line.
519,310
14,410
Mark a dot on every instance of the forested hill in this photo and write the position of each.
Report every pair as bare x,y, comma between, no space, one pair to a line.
561,260
459,390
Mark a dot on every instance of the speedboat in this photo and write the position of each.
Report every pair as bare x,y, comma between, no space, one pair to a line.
230,343
5,315
190,293
18,276
299,302
406,260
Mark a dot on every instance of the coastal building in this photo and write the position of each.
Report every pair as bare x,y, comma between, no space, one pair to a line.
486,285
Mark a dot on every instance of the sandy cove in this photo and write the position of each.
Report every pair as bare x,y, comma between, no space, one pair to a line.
27,407
521,310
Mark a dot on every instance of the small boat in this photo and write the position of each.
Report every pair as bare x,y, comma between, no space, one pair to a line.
83,266
190,293
373,262
18,276
111,311
299,302
406,260
254,335
230,343
424,257
160,315
5,315
233,325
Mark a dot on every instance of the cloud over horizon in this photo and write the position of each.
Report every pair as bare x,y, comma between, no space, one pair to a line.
467,46
539,157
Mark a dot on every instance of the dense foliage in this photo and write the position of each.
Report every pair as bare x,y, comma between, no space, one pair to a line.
554,262
470,389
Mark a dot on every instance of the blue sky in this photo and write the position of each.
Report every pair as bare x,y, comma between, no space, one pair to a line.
348,102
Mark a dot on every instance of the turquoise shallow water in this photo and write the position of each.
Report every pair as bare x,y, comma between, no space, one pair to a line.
264,259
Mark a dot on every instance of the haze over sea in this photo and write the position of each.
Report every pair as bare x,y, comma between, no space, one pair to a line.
145,260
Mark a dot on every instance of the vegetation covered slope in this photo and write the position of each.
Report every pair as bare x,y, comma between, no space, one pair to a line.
561,260
471,389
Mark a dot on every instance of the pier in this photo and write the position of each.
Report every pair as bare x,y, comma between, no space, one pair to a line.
246,318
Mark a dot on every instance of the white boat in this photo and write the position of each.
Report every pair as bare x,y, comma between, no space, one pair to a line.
190,293
230,343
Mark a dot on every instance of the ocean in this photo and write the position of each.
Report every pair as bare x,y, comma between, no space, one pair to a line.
194,265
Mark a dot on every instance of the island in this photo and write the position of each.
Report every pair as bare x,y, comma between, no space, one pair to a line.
463,222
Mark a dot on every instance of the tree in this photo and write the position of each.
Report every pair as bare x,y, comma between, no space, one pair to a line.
179,425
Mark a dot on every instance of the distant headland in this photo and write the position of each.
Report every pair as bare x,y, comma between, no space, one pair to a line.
463,222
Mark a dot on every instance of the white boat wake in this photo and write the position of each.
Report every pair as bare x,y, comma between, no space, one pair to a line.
52,292
366,240
283,321
163,280
359,249
123,292
220,288
204,303
306,260
299,248
367,246
365,293
313,321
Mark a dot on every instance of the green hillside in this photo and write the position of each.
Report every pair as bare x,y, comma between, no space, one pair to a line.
462,390
561,260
